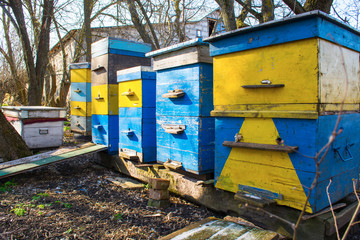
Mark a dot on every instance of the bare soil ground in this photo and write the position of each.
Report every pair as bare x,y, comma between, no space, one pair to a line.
73,200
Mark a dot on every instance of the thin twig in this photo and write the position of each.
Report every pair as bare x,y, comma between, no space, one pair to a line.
332,210
355,213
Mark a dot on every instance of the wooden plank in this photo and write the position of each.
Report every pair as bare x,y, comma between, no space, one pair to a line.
212,228
11,171
266,114
43,155
258,146
33,112
135,73
342,218
182,57
326,210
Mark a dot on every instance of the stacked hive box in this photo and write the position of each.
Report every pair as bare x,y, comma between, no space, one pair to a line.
277,85
185,130
137,127
108,56
40,127
80,75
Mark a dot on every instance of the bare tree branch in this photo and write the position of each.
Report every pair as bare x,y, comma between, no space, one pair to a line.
295,6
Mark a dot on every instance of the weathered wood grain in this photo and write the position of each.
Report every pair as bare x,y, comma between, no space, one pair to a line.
258,146
183,57
11,171
43,155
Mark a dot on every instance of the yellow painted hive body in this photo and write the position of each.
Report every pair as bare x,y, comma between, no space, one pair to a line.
105,99
130,93
312,73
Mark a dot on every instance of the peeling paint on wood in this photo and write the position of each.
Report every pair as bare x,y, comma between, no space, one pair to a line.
212,228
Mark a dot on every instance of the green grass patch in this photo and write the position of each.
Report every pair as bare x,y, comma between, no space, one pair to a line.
19,211
67,205
6,187
39,196
118,216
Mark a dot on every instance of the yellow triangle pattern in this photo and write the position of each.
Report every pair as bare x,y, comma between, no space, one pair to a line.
264,169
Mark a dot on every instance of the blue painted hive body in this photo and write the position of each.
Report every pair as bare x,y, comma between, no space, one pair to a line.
184,128
277,90
80,75
107,57
137,125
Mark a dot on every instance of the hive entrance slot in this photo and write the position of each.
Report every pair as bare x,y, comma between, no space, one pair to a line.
128,154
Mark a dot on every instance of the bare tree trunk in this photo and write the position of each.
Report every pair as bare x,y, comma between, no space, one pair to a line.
17,9
243,15
51,89
322,5
295,6
178,29
12,146
36,72
309,5
138,24
87,29
9,56
227,13
267,10
43,50
144,13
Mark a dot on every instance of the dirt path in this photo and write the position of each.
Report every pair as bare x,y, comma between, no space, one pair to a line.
72,200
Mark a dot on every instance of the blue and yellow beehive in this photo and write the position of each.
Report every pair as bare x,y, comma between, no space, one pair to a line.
137,124
108,56
80,75
278,88
185,130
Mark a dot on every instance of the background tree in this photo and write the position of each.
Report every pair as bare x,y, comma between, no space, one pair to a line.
264,10
14,81
35,50
60,84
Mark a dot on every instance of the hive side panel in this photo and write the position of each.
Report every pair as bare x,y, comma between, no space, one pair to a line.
339,77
